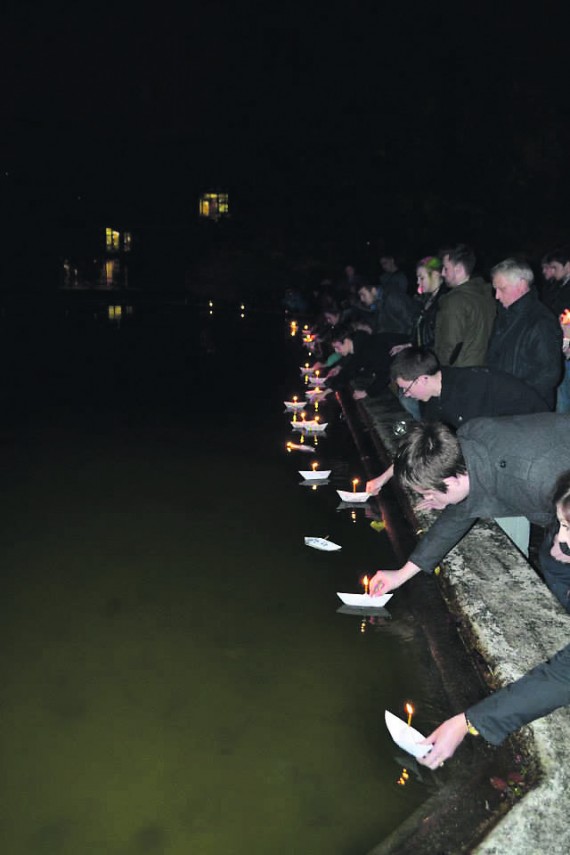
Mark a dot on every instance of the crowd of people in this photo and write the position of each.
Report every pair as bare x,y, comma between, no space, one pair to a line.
483,369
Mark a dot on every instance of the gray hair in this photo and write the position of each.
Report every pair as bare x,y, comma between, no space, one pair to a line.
514,269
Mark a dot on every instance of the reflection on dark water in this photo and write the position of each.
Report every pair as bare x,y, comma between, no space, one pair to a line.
176,676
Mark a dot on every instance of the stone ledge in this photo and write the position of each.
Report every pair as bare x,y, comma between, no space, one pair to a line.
512,622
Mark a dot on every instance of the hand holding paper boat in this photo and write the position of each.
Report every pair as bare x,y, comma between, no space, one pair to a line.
405,736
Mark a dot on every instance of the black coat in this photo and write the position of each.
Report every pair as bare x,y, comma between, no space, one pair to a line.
470,393
527,341
513,464
538,693
370,361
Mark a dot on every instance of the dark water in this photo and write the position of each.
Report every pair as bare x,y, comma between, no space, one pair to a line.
175,675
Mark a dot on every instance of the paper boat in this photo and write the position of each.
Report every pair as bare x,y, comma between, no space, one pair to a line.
347,496
312,475
297,425
406,737
364,601
322,543
314,381
295,446
315,427
306,371
293,406
312,393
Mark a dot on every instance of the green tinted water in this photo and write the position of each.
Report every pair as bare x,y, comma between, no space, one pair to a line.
175,675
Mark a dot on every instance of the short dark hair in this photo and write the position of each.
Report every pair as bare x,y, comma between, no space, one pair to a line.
414,362
560,255
428,454
342,332
463,254
561,495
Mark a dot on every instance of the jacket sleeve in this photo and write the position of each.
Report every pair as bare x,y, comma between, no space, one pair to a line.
442,536
538,693
448,333
545,343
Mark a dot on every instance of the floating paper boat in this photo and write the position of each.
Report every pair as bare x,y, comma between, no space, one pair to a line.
314,381
315,475
404,736
347,496
295,446
293,406
297,425
322,543
313,393
315,427
364,601
306,371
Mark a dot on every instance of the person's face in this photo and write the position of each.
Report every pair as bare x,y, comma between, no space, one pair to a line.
507,290
559,271
428,281
387,264
563,530
457,491
367,296
415,389
331,318
349,270
448,271
547,272
343,347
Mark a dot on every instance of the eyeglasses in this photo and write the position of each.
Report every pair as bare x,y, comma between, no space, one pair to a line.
405,390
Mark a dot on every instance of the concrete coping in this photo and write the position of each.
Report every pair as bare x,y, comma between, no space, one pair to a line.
513,623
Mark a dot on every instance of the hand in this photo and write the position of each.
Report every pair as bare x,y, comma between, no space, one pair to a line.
333,372
557,553
433,500
445,740
375,485
399,347
383,582
359,394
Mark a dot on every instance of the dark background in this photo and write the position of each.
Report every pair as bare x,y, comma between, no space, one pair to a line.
338,131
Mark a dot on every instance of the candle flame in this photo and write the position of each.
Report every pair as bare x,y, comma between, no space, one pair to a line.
409,709
314,466
366,582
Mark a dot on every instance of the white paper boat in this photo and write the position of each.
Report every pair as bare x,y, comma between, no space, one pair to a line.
315,427
322,543
312,475
405,736
306,371
364,601
312,393
294,406
297,425
314,381
294,446
347,496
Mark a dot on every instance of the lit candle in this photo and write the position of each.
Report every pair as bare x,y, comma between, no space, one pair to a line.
303,415
306,327
314,466
317,373
366,582
410,711
294,399
288,446
354,483
306,364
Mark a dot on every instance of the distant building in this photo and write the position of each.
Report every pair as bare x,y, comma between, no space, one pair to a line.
214,206
97,258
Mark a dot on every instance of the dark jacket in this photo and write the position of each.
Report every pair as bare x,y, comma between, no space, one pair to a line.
464,323
423,334
513,464
538,693
470,393
556,296
370,361
527,341
397,311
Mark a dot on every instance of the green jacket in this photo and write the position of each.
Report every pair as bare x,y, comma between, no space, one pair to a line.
463,324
